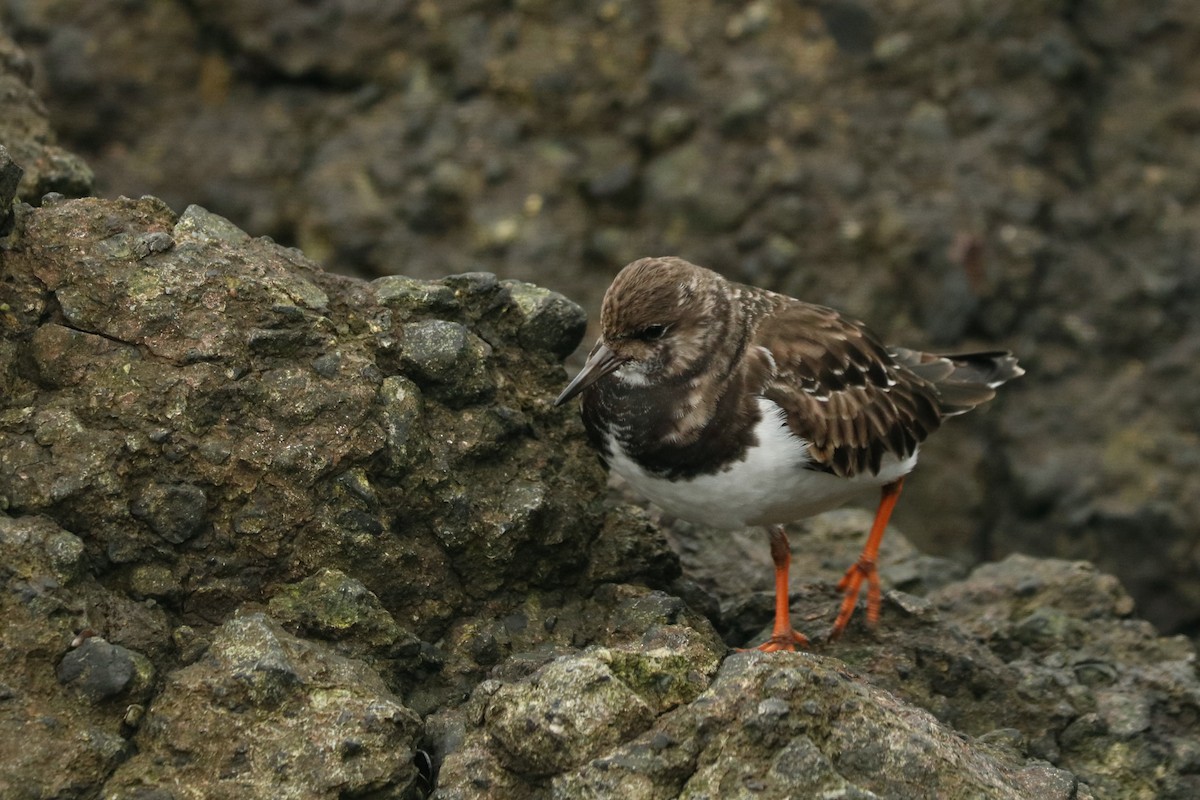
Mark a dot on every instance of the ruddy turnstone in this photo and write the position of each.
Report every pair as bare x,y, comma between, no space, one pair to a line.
733,406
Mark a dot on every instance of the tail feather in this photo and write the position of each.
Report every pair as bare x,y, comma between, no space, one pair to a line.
963,380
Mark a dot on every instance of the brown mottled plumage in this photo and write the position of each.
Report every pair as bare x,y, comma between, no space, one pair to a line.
731,405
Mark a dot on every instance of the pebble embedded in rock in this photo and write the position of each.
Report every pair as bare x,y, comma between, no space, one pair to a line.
100,670
176,512
551,323
447,360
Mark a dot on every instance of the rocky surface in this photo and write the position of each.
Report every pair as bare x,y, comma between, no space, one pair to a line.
1027,679
268,530
1021,175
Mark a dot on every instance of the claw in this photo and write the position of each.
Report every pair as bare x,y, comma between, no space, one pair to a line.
787,641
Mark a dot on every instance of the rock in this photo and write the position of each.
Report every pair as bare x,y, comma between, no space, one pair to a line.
769,725
10,177
447,360
103,671
63,708
175,512
197,424
685,183
31,145
262,713
333,607
551,145
422,549
551,323
295,392
569,712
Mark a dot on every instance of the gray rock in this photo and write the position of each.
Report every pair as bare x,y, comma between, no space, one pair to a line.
551,323
765,726
103,671
447,361
263,713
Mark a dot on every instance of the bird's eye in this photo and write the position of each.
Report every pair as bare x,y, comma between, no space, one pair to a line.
651,332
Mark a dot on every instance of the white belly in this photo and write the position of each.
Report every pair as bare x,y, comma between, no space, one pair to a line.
770,486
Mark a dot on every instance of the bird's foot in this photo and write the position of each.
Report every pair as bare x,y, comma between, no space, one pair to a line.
850,585
785,641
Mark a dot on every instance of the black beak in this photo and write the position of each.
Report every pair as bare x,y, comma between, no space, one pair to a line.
601,362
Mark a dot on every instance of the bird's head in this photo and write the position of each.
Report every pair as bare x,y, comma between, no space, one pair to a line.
655,324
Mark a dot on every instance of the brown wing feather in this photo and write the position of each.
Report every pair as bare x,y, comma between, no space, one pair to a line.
842,390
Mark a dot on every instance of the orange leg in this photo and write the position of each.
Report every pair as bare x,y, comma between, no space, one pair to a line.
865,567
782,635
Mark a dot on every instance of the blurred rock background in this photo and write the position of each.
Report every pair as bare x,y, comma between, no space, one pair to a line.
960,174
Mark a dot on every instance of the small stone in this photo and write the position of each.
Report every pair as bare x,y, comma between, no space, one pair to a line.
398,291
199,225
335,606
1124,713
550,322
928,123
447,360
151,243
190,644
682,182
473,285
67,555
746,113
569,711
893,46
100,670
401,416
153,580
670,125
176,512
